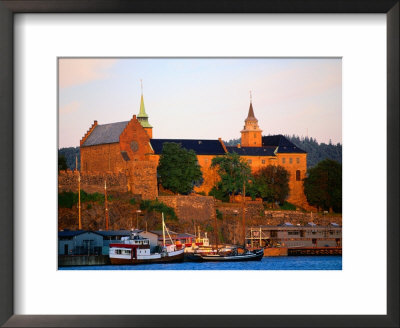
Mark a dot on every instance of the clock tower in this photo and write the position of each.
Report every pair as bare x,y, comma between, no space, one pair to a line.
251,133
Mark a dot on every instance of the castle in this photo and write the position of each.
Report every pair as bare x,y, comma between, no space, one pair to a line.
129,147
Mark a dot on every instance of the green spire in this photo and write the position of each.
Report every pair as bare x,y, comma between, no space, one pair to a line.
143,118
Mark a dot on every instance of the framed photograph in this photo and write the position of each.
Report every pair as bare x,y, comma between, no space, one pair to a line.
182,165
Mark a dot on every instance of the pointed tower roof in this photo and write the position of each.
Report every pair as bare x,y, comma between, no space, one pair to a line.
250,116
251,113
142,111
142,117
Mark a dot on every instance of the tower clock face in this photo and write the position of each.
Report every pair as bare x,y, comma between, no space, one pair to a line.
134,146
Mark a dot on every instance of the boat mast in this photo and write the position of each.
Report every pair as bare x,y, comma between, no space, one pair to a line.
163,228
105,202
79,202
216,230
243,215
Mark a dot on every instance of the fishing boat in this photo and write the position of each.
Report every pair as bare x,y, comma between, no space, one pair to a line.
229,256
136,250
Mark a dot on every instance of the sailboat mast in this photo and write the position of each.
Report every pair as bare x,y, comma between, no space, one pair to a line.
79,202
163,228
216,232
105,203
243,215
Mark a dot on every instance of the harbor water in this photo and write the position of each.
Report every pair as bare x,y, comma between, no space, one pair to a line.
267,263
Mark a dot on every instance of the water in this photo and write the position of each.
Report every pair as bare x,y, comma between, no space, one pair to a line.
267,263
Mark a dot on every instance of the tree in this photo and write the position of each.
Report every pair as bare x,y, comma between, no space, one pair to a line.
62,163
323,185
178,169
272,183
234,173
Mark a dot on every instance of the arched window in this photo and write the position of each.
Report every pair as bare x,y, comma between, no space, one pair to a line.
297,175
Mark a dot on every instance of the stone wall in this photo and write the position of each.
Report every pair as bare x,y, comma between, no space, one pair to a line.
191,208
142,178
256,215
90,183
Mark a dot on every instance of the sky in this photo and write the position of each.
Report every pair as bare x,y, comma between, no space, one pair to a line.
205,98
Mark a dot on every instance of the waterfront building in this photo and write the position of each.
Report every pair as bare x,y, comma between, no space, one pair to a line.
295,236
84,242
79,242
129,147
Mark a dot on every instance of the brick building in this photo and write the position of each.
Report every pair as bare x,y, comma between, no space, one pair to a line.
128,147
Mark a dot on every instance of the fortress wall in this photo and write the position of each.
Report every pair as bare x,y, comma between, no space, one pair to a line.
91,183
142,179
188,208
256,215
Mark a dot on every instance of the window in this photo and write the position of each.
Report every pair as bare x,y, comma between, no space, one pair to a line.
263,161
298,160
290,160
255,135
283,160
293,232
298,175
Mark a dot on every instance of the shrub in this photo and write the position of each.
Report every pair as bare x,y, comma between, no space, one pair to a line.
209,228
155,205
67,199
288,207
219,194
219,214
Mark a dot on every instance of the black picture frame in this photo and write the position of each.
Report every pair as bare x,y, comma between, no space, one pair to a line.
10,7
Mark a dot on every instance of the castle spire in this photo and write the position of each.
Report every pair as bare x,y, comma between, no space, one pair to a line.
250,115
251,133
142,117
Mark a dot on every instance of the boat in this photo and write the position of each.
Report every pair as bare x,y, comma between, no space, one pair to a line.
228,253
228,256
135,249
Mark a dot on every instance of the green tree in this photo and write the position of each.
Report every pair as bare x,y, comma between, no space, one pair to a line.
178,169
323,185
62,163
234,173
272,183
